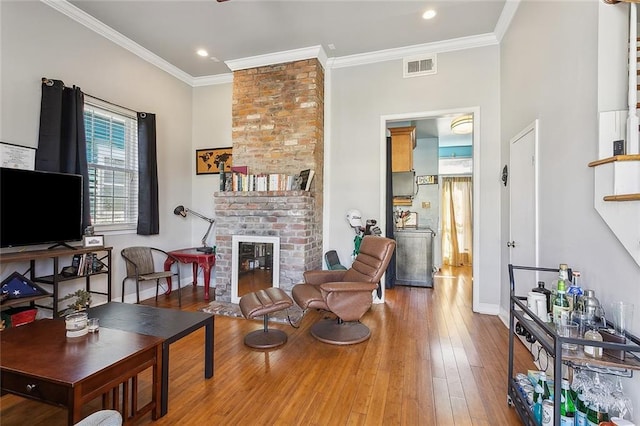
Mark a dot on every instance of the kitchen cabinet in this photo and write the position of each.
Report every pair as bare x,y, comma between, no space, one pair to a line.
403,142
414,257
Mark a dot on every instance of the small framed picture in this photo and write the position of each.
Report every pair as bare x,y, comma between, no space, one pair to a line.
411,221
93,241
209,161
427,180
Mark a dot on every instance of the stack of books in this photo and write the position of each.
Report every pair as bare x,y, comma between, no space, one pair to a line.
243,181
86,264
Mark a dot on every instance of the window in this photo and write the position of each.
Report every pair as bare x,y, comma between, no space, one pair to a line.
112,156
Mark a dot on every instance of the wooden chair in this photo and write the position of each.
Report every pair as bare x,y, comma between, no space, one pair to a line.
141,267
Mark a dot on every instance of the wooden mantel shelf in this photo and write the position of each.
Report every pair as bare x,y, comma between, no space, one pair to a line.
620,197
634,157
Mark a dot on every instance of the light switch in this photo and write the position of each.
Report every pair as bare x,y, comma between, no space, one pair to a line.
426,204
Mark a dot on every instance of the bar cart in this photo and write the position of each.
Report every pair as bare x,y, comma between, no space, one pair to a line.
546,335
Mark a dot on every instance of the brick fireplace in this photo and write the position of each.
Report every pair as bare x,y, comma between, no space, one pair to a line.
278,127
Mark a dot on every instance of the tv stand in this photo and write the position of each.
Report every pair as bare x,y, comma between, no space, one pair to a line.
62,245
56,278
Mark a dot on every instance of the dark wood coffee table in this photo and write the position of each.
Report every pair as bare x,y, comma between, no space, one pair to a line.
169,324
39,362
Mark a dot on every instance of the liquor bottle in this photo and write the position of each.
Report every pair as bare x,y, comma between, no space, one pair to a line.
593,351
574,291
567,406
541,389
561,303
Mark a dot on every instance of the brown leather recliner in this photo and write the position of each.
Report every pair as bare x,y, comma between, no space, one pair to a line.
346,293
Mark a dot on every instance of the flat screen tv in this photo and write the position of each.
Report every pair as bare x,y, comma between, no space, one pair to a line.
403,183
39,207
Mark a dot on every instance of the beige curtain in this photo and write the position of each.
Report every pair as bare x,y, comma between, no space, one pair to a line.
457,224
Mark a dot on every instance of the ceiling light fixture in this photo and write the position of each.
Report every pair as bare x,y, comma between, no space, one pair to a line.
429,14
202,52
462,125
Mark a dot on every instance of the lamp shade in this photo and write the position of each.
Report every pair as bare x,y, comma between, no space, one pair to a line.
462,125
180,210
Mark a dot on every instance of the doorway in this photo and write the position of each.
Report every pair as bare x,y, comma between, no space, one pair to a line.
522,180
435,119
456,233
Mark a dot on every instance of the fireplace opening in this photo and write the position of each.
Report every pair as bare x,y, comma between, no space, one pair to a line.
255,264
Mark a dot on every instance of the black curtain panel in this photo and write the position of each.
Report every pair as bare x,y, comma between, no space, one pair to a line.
390,275
62,145
148,211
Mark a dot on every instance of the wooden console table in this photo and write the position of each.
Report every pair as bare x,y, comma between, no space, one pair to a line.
197,258
39,362
56,278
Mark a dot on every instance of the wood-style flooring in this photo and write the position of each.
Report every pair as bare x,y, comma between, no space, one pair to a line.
430,361
257,279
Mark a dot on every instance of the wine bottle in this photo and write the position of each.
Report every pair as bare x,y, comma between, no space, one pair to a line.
581,410
541,389
560,302
567,406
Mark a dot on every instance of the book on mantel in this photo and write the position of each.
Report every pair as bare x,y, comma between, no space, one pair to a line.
306,176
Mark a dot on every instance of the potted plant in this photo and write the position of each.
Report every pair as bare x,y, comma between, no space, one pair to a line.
81,303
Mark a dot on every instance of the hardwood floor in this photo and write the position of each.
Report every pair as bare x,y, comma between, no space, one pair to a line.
429,361
255,280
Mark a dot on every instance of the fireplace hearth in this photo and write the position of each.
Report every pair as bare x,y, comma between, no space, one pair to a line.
286,216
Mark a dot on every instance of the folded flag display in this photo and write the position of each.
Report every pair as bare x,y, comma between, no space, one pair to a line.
16,286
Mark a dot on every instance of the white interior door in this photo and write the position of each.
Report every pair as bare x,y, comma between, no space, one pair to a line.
523,195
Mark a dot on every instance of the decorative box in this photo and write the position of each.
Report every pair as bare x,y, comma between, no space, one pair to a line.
18,315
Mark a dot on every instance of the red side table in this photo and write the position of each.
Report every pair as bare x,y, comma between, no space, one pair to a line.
197,258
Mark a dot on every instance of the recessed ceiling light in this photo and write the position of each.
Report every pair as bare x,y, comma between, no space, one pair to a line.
202,52
429,14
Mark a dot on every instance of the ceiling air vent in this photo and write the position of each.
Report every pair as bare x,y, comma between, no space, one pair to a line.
417,66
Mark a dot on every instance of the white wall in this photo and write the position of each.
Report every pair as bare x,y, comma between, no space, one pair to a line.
361,95
548,71
37,42
211,129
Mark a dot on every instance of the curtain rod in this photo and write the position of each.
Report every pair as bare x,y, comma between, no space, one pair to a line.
50,83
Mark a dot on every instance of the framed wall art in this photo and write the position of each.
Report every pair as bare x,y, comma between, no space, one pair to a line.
427,180
208,160
93,241
17,157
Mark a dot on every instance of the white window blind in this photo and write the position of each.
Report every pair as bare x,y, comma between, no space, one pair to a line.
112,155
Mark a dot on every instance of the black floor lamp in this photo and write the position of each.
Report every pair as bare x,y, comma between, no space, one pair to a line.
182,211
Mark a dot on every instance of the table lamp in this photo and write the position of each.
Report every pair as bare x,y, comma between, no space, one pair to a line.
182,211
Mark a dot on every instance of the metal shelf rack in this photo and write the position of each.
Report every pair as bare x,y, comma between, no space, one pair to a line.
546,335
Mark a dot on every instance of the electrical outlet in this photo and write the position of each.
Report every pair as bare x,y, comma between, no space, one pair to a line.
426,204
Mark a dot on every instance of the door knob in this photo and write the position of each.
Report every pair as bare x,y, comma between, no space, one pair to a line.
511,243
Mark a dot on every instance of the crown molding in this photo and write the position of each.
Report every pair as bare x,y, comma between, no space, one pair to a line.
415,50
109,33
508,12
210,80
278,58
489,39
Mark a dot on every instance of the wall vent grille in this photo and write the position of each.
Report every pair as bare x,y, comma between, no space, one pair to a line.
418,66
